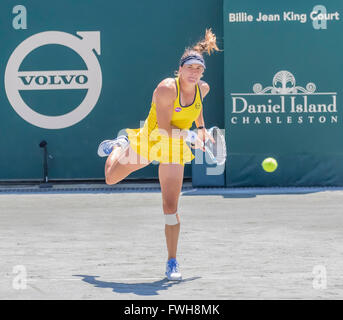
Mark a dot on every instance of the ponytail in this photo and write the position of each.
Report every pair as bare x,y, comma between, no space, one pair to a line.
208,44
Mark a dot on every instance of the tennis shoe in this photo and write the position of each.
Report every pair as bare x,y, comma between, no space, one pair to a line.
106,147
172,270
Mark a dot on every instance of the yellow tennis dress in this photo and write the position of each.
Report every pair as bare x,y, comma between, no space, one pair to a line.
149,143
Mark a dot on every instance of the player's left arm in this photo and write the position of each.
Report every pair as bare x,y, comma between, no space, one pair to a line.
205,89
200,122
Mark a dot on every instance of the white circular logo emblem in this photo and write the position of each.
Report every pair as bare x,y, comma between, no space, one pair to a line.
90,79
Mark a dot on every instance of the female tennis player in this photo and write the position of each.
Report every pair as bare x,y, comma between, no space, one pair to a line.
176,104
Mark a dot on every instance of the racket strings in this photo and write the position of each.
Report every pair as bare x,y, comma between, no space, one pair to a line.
217,150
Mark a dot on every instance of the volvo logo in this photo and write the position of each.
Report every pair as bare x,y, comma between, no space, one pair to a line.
90,78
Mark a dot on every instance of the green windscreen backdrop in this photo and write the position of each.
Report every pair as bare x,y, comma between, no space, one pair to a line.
283,78
74,73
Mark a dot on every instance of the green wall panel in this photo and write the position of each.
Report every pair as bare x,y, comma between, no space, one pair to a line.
140,44
289,64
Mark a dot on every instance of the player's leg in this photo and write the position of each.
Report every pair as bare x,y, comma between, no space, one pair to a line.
171,178
121,162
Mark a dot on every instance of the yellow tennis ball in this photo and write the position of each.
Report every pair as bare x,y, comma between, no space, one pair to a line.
269,164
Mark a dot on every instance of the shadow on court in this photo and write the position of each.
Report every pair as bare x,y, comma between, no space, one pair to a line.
141,289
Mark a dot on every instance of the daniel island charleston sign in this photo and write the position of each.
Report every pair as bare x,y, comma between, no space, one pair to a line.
283,102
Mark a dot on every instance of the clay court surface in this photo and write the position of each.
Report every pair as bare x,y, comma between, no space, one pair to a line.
248,244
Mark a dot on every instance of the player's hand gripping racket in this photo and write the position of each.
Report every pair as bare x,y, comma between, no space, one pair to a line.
216,150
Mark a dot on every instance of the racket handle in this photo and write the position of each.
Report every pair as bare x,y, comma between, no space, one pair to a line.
191,136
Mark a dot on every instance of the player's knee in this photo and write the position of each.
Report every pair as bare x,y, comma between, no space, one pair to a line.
109,180
109,177
169,206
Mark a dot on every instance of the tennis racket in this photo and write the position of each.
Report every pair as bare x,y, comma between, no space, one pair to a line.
217,150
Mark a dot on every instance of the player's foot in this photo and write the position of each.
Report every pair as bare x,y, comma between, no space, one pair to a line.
105,148
172,270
